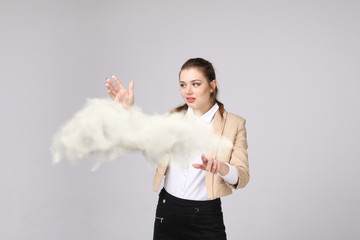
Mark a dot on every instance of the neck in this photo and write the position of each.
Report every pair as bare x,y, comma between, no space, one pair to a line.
204,109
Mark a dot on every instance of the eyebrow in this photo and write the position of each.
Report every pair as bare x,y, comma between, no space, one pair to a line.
191,80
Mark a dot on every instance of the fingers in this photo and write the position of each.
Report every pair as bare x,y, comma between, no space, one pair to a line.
203,158
112,92
131,94
119,93
111,85
112,96
209,164
213,166
199,166
217,169
131,89
118,82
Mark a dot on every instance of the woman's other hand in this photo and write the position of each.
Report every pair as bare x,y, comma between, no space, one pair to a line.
119,93
212,165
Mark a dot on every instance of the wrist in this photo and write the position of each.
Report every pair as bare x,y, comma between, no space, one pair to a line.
224,169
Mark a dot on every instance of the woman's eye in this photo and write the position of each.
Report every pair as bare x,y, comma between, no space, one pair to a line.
196,84
182,85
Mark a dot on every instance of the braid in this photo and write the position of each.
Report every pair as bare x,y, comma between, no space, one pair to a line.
221,108
180,108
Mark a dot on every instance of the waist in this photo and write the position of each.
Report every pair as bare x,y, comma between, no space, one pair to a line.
172,201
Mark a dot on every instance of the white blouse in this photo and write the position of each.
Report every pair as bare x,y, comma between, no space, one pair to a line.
189,183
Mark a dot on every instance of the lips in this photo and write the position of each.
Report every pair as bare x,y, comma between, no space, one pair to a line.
190,99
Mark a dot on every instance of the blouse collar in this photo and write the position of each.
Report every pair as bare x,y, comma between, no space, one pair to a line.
208,116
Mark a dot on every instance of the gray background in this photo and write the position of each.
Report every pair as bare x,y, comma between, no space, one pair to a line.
291,68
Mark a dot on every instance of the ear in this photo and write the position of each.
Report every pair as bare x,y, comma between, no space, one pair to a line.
213,85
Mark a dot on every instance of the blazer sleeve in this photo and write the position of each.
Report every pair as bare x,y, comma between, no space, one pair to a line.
239,156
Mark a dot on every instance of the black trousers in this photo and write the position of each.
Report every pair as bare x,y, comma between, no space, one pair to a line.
178,219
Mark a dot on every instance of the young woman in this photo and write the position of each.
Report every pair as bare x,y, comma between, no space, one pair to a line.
189,205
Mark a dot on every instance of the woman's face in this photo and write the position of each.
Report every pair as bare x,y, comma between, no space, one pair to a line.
195,90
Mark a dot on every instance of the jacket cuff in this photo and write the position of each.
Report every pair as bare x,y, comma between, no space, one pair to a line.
232,176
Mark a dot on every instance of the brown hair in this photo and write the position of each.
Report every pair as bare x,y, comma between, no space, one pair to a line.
208,70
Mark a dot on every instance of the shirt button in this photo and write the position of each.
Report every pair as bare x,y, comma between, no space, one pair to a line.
164,201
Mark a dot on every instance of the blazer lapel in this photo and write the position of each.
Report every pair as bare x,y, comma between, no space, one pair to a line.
219,123
217,129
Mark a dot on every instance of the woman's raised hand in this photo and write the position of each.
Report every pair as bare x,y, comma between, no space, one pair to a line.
119,93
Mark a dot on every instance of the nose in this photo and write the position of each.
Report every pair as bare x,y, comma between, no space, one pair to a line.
188,90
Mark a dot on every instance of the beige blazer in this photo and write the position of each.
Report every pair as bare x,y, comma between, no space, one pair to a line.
232,127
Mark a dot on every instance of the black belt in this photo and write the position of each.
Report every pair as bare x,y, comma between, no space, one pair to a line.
189,206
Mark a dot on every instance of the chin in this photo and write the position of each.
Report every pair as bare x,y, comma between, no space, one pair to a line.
192,105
